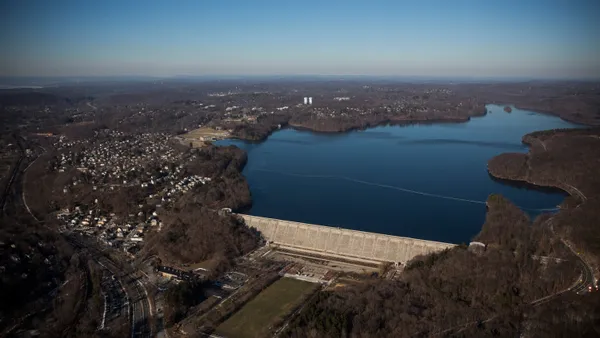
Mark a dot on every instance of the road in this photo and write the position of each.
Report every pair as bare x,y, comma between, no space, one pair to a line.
587,275
14,192
14,205
139,306
89,104
14,174
569,188
580,287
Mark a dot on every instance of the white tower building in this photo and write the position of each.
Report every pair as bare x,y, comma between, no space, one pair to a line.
310,100
305,100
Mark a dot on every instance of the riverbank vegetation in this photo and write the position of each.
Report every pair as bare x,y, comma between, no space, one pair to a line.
193,234
569,160
193,228
506,290
492,290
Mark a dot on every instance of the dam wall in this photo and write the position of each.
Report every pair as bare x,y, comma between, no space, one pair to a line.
326,240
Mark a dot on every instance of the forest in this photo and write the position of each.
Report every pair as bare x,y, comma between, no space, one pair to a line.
453,293
263,127
194,234
438,109
32,260
565,159
179,298
194,230
495,292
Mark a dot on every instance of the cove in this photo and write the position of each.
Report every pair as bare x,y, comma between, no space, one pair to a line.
426,181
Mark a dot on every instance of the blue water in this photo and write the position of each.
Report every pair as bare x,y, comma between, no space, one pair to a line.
420,181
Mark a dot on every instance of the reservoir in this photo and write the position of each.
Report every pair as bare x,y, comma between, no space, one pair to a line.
426,181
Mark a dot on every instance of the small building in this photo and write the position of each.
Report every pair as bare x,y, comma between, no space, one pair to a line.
170,272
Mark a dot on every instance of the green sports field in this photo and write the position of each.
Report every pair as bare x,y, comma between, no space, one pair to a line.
256,317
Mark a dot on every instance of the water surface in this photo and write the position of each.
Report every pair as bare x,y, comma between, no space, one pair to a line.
422,181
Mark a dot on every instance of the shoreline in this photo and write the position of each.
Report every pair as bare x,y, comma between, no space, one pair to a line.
520,183
535,186
547,111
524,183
526,178
552,113
407,122
383,123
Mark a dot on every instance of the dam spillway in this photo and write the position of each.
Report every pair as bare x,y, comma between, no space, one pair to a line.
332,241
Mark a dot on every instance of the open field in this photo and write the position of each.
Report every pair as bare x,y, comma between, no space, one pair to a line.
271,305
206,264
198,136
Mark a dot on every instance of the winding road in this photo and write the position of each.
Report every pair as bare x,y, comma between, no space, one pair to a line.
587,272
89,104
580,287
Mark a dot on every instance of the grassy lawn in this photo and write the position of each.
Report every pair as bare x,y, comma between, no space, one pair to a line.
197,136
205,132
255,318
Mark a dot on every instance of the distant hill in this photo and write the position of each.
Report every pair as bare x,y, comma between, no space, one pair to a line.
17,98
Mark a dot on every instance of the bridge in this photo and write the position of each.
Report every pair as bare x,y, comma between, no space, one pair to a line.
334,242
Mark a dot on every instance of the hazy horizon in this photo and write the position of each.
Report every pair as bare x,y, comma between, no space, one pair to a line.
528,39
18,80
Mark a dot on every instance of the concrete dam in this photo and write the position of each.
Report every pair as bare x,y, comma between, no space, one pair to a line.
343,243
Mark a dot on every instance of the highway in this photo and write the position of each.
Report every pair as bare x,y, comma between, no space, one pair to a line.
15,206
587,274
14,174
14,192
137,298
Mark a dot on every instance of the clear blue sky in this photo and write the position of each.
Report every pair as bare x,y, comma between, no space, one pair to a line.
544,38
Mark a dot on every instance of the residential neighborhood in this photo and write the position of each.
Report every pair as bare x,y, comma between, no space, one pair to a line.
149,163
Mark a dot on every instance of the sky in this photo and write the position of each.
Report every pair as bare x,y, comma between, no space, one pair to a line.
480,38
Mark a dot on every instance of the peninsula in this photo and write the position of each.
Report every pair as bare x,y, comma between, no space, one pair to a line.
568,160
374,105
